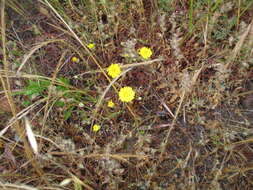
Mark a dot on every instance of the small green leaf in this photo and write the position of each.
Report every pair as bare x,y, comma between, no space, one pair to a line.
26,103
68,113
36,87
64,81
60,103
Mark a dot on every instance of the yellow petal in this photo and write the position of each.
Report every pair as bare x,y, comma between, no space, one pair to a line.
96,128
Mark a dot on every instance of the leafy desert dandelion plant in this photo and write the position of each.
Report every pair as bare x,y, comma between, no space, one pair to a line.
114,70
126,94
145,52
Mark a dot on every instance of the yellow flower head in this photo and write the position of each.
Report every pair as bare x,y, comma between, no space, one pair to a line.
96,128
110,104
91,45
74,59
114,70
145,52
126,94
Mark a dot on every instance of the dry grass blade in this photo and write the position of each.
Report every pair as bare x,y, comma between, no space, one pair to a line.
65,182
239,45
46,111
142,63
74,178
49,140
20,115
31,136
78,181
6,85
17,7
121,157
132,65
34,50
230,146
164,144
185,90
77,38
205,35
9,186
3,131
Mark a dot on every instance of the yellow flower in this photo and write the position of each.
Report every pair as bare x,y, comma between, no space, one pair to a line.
96,128
114,70
91,45
126,94
110,104
145,52
74,59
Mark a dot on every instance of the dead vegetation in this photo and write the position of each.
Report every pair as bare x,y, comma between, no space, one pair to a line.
189,126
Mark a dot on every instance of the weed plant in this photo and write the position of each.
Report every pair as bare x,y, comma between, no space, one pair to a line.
154,94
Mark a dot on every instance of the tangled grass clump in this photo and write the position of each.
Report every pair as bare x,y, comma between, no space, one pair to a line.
74,69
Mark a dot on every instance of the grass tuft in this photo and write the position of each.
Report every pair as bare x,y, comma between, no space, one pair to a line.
126,94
